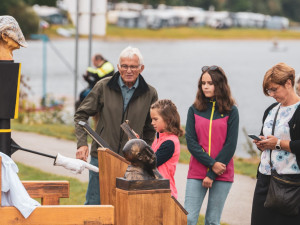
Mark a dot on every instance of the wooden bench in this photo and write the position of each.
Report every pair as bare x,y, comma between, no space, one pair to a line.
50,192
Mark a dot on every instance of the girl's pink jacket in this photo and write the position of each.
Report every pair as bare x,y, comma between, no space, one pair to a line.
168,169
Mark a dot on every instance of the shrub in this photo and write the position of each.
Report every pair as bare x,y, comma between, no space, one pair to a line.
28,20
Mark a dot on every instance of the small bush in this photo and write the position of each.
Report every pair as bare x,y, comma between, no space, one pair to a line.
28,20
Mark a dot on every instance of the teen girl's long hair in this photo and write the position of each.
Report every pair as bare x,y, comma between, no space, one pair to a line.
168,111
222,91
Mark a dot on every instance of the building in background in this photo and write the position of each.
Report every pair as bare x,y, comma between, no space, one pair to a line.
137,15
98,15
51,15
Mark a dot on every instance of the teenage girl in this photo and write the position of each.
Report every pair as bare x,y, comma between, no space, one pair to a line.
166,122
211,135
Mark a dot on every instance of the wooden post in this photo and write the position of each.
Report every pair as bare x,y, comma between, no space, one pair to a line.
176,214
148,207
111,166
141,207
50,192
0,178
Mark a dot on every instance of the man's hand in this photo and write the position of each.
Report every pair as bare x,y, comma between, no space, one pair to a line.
82,153
219,168
207,182
85,76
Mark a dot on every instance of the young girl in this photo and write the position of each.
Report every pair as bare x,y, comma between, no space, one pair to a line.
211,134
166,122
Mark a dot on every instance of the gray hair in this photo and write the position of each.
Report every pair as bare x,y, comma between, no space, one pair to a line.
129,52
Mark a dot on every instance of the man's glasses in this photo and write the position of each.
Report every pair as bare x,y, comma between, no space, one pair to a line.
206,68
132,68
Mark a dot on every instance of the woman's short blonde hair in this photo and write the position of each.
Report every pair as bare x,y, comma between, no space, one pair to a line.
278,74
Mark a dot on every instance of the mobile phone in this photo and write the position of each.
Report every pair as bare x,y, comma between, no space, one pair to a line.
253,136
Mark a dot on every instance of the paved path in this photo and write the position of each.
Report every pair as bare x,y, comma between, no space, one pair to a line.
237,210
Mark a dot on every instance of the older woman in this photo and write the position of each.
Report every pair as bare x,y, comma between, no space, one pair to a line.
284,143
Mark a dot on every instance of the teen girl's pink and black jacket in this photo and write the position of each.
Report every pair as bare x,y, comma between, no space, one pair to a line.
211,137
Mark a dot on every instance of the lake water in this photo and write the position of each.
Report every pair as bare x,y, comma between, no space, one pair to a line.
173,68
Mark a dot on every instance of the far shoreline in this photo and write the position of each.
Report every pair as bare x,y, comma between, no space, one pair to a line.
114,33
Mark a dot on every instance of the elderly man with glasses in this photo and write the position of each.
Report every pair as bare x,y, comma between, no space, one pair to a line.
125,96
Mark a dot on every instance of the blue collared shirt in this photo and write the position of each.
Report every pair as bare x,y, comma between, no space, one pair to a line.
126,91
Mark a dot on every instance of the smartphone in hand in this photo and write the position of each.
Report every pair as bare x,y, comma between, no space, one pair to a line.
255,137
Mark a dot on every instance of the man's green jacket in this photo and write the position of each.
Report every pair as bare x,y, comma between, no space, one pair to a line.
106,98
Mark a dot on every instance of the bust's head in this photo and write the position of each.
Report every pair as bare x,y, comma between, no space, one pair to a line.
140,154
11,36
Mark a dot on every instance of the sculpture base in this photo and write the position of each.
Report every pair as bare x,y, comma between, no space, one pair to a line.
124,184
148,207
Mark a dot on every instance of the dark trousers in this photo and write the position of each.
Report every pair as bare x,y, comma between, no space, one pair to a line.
263,216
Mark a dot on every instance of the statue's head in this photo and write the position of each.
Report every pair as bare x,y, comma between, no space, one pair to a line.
11,32
140,154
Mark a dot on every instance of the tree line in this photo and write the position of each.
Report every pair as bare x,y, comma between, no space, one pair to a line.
22,11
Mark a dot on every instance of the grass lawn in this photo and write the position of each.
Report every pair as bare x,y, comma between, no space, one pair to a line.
116,33
199,33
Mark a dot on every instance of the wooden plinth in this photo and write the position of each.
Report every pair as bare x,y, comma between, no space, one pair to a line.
136,207
124,184
148,207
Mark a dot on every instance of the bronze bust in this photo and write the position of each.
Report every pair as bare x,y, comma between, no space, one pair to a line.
143,161
11,37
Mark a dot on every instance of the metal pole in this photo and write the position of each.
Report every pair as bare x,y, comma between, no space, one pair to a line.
44,69
90,33
76,52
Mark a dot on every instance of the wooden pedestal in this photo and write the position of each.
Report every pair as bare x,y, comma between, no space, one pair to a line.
134,206
148,207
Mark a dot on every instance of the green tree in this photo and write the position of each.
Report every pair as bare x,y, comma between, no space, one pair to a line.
238,5
41,2
24,14
291,9
6,4
274,7
205,4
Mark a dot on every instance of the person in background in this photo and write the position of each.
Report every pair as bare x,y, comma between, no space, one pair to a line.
297,86
124,96
284,144
211,135
102,69
166,122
